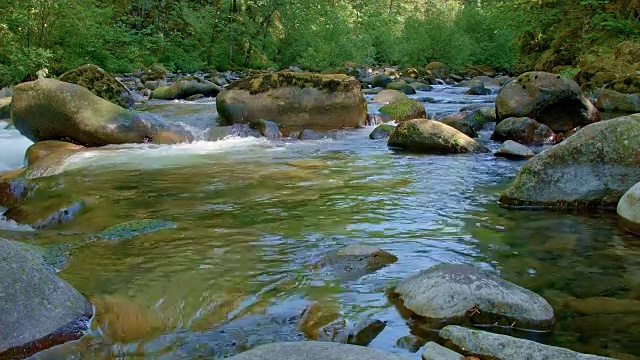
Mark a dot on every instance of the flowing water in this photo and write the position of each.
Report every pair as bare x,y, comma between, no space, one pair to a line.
253,215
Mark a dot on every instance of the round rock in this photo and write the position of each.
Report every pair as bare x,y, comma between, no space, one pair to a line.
312,350
456,294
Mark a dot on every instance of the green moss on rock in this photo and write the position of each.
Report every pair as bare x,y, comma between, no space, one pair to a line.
100,83
134,228
326,82
403,110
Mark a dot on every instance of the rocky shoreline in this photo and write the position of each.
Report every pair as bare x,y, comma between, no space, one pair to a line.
577,160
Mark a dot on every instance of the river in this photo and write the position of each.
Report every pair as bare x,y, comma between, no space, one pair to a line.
253,215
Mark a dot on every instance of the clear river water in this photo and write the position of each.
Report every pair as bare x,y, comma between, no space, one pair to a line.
252,216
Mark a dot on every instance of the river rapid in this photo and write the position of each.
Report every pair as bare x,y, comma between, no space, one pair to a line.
252,216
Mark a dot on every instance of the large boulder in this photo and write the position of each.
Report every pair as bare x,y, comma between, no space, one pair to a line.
603,73
462,294
48,109
486,345
154,72
313,350
295,100
592,168
101,83
460,122
550,99
39,310
629,209
389,96
523,130
185,88
610,100
403,110
430,136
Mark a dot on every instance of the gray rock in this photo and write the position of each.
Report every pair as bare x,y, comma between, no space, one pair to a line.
551,99
501,347
418,86
478,90
267,128
512,150
402,86
5,108
459,294
592,168
433,351
609,100
307,134
195,97
523,130
629,209
186,87
389,96
312,350
39,310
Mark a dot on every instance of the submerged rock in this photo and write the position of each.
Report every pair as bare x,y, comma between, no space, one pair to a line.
403,110
295,100
592,168
185,88
389,96
101,83
48,109
381,132
523,130
609,100
461,294
629,209
39,310
134,228
430,136
357,259
42,149
550,99
501,347
412,343
313,350
512,150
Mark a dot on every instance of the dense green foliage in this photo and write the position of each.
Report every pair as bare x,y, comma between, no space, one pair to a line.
192,35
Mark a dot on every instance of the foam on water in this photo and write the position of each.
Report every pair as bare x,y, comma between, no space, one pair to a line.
151,156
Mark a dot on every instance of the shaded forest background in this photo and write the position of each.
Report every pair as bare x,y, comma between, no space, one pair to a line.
195,35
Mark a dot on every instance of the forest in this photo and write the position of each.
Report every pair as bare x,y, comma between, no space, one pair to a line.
194,35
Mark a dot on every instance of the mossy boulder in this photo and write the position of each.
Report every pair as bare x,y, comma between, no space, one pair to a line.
185,88
381,80
629,210
48,109
478,90
600,74
403,110
430,136
610,100
550,99
410,73
437,69
592,168
389,96
381,132
418,86
402,86
39,310
295,101
480,70
154,72
470,121
523,130
101,83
